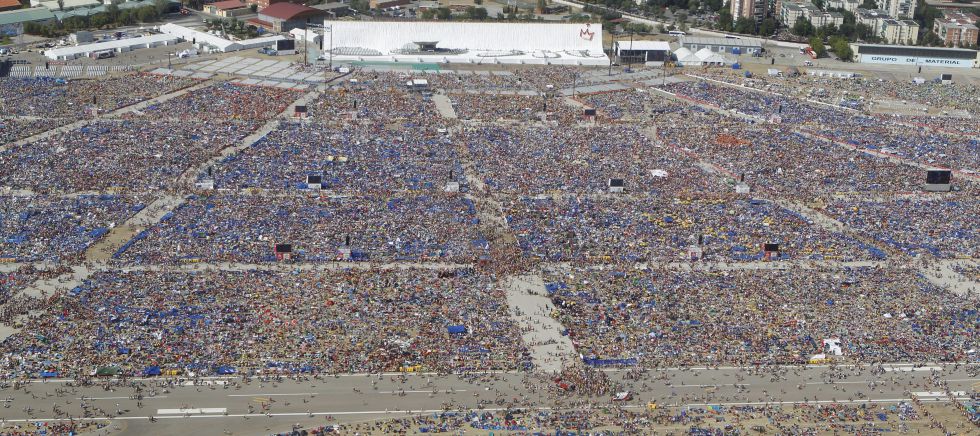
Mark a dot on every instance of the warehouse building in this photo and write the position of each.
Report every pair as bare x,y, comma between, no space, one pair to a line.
915,56
735,46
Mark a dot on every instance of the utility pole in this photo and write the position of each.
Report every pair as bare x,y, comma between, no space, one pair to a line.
330,29
612,50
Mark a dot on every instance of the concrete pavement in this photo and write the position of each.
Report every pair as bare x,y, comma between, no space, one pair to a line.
258,407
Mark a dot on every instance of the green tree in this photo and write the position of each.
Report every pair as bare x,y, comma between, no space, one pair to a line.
817,45
444,13
869,4
474,13
725,22
842,48
99,20
768,27
745,25
112,12
844,52
161,6
930,39
146,14
802,27
541,5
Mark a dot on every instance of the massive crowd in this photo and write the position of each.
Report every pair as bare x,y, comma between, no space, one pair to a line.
525,108
532,194
349,159
742,317
921,144
774,158
242,228
943,226
13,129
76,99
270,322
137,155
34,228
655,228
541,159
221,103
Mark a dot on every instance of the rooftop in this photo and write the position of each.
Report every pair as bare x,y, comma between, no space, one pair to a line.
25,15
229,5
288,11
732,42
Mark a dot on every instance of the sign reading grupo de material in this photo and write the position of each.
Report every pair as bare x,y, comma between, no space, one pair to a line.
916,60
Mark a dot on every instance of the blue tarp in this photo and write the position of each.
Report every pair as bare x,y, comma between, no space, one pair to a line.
610,362
152,370
225,370
456,329
49,374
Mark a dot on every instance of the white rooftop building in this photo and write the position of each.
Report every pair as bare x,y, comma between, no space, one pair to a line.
116,45
476,43
216,43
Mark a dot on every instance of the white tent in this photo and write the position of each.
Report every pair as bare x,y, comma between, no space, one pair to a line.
708,57
686,58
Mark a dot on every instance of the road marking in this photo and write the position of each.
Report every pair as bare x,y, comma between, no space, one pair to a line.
206,383
912,368
424,392
764,403
298,394
203,411
711,386
938,394
415,412
118,398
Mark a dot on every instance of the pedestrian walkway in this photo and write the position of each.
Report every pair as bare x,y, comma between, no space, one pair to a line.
531,310
444,106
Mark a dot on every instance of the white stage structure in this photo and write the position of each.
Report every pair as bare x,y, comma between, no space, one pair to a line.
476,43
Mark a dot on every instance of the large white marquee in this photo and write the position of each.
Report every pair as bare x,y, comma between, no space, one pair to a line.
478,43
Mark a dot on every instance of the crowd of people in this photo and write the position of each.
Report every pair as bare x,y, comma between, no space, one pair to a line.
375,97
221,103
775,158
526,108
138,155
376,173
668,318
834,90
944,227
13,129
532,160
348,159
654,228
245,228
35,228
262,322
921,144
79,99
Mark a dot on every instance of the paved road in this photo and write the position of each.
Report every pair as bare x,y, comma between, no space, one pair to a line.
252,407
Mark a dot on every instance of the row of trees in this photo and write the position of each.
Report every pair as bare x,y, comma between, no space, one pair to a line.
112,17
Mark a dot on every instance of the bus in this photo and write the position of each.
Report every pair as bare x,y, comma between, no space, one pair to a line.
102,54
677,33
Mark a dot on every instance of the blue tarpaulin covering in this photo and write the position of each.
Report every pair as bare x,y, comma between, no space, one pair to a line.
456,329
610,362
225,370
49,374
152,370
